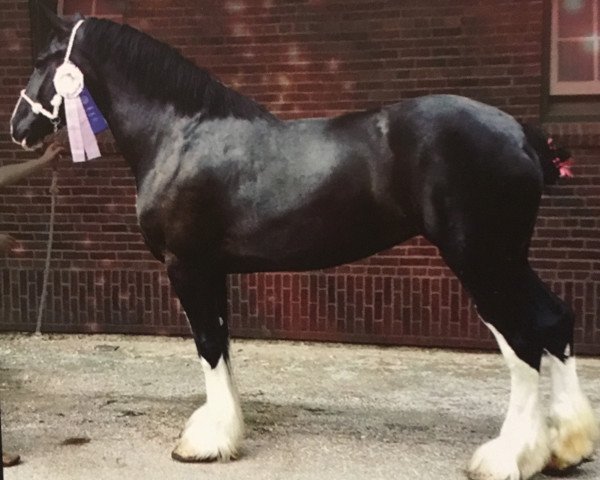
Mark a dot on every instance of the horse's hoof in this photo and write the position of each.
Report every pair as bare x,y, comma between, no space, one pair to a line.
186,455
9,460
492,461
501,459
210,435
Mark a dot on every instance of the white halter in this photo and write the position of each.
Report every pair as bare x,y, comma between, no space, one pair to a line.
68,82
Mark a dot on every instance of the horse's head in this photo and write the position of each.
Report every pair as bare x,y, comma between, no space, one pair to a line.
30,122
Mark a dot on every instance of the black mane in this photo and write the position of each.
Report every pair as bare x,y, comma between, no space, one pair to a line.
162,73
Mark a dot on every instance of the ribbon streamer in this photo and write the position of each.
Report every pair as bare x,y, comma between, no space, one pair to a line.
69,84
81,138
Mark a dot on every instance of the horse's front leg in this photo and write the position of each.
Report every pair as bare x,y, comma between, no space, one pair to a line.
215,430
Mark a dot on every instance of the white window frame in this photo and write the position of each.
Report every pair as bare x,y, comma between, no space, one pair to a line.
591,87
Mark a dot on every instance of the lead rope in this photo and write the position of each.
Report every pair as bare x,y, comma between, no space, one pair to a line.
53,195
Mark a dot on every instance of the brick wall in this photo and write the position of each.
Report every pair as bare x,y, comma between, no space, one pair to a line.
302,58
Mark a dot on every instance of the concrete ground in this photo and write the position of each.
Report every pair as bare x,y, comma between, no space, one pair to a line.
110,407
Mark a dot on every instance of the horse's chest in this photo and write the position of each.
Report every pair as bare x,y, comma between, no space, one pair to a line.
179,211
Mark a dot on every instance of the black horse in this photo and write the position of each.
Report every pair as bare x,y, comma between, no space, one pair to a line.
224,186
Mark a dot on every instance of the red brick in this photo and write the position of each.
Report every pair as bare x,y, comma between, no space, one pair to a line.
298,58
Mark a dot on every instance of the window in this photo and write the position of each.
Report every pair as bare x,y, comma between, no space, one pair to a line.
111,9
575,47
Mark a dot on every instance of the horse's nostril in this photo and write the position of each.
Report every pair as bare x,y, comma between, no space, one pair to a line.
19,139
19,136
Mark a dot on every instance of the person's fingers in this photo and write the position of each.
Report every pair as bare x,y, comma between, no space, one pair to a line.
53,150
56,148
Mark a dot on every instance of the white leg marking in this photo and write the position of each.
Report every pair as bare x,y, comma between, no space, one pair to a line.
383,123
573,426
522,448
215,430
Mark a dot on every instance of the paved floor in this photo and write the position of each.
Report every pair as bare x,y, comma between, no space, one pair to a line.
110,407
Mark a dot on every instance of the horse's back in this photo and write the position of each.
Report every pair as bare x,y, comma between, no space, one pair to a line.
432,134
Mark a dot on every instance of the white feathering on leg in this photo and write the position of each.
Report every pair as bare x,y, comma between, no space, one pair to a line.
215,430
573,426
521,450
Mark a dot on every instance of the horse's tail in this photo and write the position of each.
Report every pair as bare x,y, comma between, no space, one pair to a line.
555,161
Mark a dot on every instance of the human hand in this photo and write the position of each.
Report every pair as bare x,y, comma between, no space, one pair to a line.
52,153
7,243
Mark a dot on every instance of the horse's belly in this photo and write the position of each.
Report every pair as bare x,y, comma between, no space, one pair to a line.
321,240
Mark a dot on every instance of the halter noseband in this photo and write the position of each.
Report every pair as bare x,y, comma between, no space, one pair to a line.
38,108
68,82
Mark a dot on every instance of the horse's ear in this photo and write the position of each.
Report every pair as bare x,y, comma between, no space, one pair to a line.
59,25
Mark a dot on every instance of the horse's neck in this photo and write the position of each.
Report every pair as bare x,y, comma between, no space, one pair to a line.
138,124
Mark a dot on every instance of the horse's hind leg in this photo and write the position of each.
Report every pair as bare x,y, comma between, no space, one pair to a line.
215,430
503,293
573,427
521,449
482,218
526,319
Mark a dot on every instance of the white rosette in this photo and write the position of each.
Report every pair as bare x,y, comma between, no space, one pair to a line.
68,82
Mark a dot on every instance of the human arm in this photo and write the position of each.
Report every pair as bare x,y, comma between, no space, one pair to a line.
10,174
